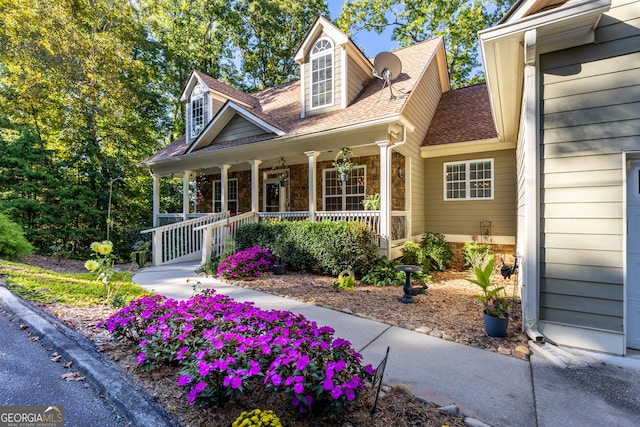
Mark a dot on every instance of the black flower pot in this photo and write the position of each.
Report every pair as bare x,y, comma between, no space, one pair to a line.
495,326
279,269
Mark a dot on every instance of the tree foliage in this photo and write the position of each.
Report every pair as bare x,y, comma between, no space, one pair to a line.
457,21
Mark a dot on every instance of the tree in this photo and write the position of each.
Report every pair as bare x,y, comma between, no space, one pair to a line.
77,76
413,21
269,34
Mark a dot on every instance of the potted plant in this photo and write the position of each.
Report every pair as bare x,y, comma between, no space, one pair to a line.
278,250
496,306
371,202
342,163
140,251
281,179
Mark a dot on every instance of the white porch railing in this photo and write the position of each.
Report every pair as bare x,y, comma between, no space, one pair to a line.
172,218
215,235
181,241
205,236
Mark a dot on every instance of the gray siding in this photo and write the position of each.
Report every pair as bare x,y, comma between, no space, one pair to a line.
238,127
464,216
590,115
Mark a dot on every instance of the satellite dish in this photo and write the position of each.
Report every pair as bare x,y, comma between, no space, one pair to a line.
387,67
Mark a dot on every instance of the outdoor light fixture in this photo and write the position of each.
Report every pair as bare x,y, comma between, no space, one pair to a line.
400,173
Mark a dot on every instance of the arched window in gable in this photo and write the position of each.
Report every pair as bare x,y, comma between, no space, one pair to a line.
322,73
198,109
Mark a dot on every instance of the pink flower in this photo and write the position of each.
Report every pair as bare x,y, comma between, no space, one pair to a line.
336,392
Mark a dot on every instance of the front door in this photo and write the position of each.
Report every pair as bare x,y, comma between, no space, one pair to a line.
274,196
633,255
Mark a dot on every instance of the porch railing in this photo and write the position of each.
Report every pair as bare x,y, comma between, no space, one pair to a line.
215,235
205,236
181,241
173,218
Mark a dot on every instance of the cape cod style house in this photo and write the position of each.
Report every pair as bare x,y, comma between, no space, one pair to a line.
544,159
270,154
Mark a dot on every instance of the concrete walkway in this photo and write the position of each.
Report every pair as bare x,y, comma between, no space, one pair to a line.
496,389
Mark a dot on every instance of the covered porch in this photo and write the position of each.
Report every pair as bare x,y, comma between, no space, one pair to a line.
217,198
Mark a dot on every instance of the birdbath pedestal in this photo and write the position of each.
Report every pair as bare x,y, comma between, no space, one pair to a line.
407,298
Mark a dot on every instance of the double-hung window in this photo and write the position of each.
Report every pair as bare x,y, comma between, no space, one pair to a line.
232,197
322,74
344,195
468,180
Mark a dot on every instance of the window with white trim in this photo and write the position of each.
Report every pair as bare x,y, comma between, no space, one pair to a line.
322,74
197,111
232,198
468,180
345,195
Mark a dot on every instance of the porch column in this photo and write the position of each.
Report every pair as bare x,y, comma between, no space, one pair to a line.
385,196
255,185
530,263
313,155
156,199
186,176
224,181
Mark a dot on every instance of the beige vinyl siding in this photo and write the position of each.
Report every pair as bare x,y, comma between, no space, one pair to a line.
238,127
337,80
357,78
590,115
419,111
464,216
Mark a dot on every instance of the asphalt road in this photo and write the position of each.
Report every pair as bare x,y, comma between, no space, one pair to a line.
29,377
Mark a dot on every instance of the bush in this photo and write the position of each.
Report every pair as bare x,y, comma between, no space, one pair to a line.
476,254
225,348
247,263
325,247
13,244
437,248
383,273
414,254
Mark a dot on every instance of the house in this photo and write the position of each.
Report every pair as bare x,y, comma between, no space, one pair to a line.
271,153
564,87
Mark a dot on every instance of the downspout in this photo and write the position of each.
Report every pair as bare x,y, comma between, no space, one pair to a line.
531,261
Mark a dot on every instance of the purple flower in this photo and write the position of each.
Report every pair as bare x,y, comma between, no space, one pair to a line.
141,358
276,380
327,384
302,362
336,392
184,380
298,387
181,352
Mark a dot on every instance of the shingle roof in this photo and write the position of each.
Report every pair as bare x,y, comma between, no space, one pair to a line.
280,105
462,115
227,90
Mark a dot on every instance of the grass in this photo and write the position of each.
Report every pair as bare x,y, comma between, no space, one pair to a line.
77,289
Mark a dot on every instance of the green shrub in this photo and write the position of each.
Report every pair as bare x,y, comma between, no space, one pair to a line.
414,254
476,254
437,248
325,247
13,244
346,281
383,273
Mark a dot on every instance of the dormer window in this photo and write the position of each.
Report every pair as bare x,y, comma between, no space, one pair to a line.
198,109
322,74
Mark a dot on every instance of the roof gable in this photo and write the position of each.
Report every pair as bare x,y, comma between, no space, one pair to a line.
215,86
224,117
321,25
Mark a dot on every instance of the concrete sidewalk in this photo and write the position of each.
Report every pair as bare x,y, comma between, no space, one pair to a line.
496,389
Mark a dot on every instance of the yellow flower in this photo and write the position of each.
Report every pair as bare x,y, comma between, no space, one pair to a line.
104,248
91,265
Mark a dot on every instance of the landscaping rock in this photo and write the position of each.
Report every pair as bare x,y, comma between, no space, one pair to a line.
452,410
505,351
424,401
523,349
436,334
403,388
472,422
424,330
409,326
448,337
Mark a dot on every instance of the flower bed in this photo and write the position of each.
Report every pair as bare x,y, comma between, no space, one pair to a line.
225,348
